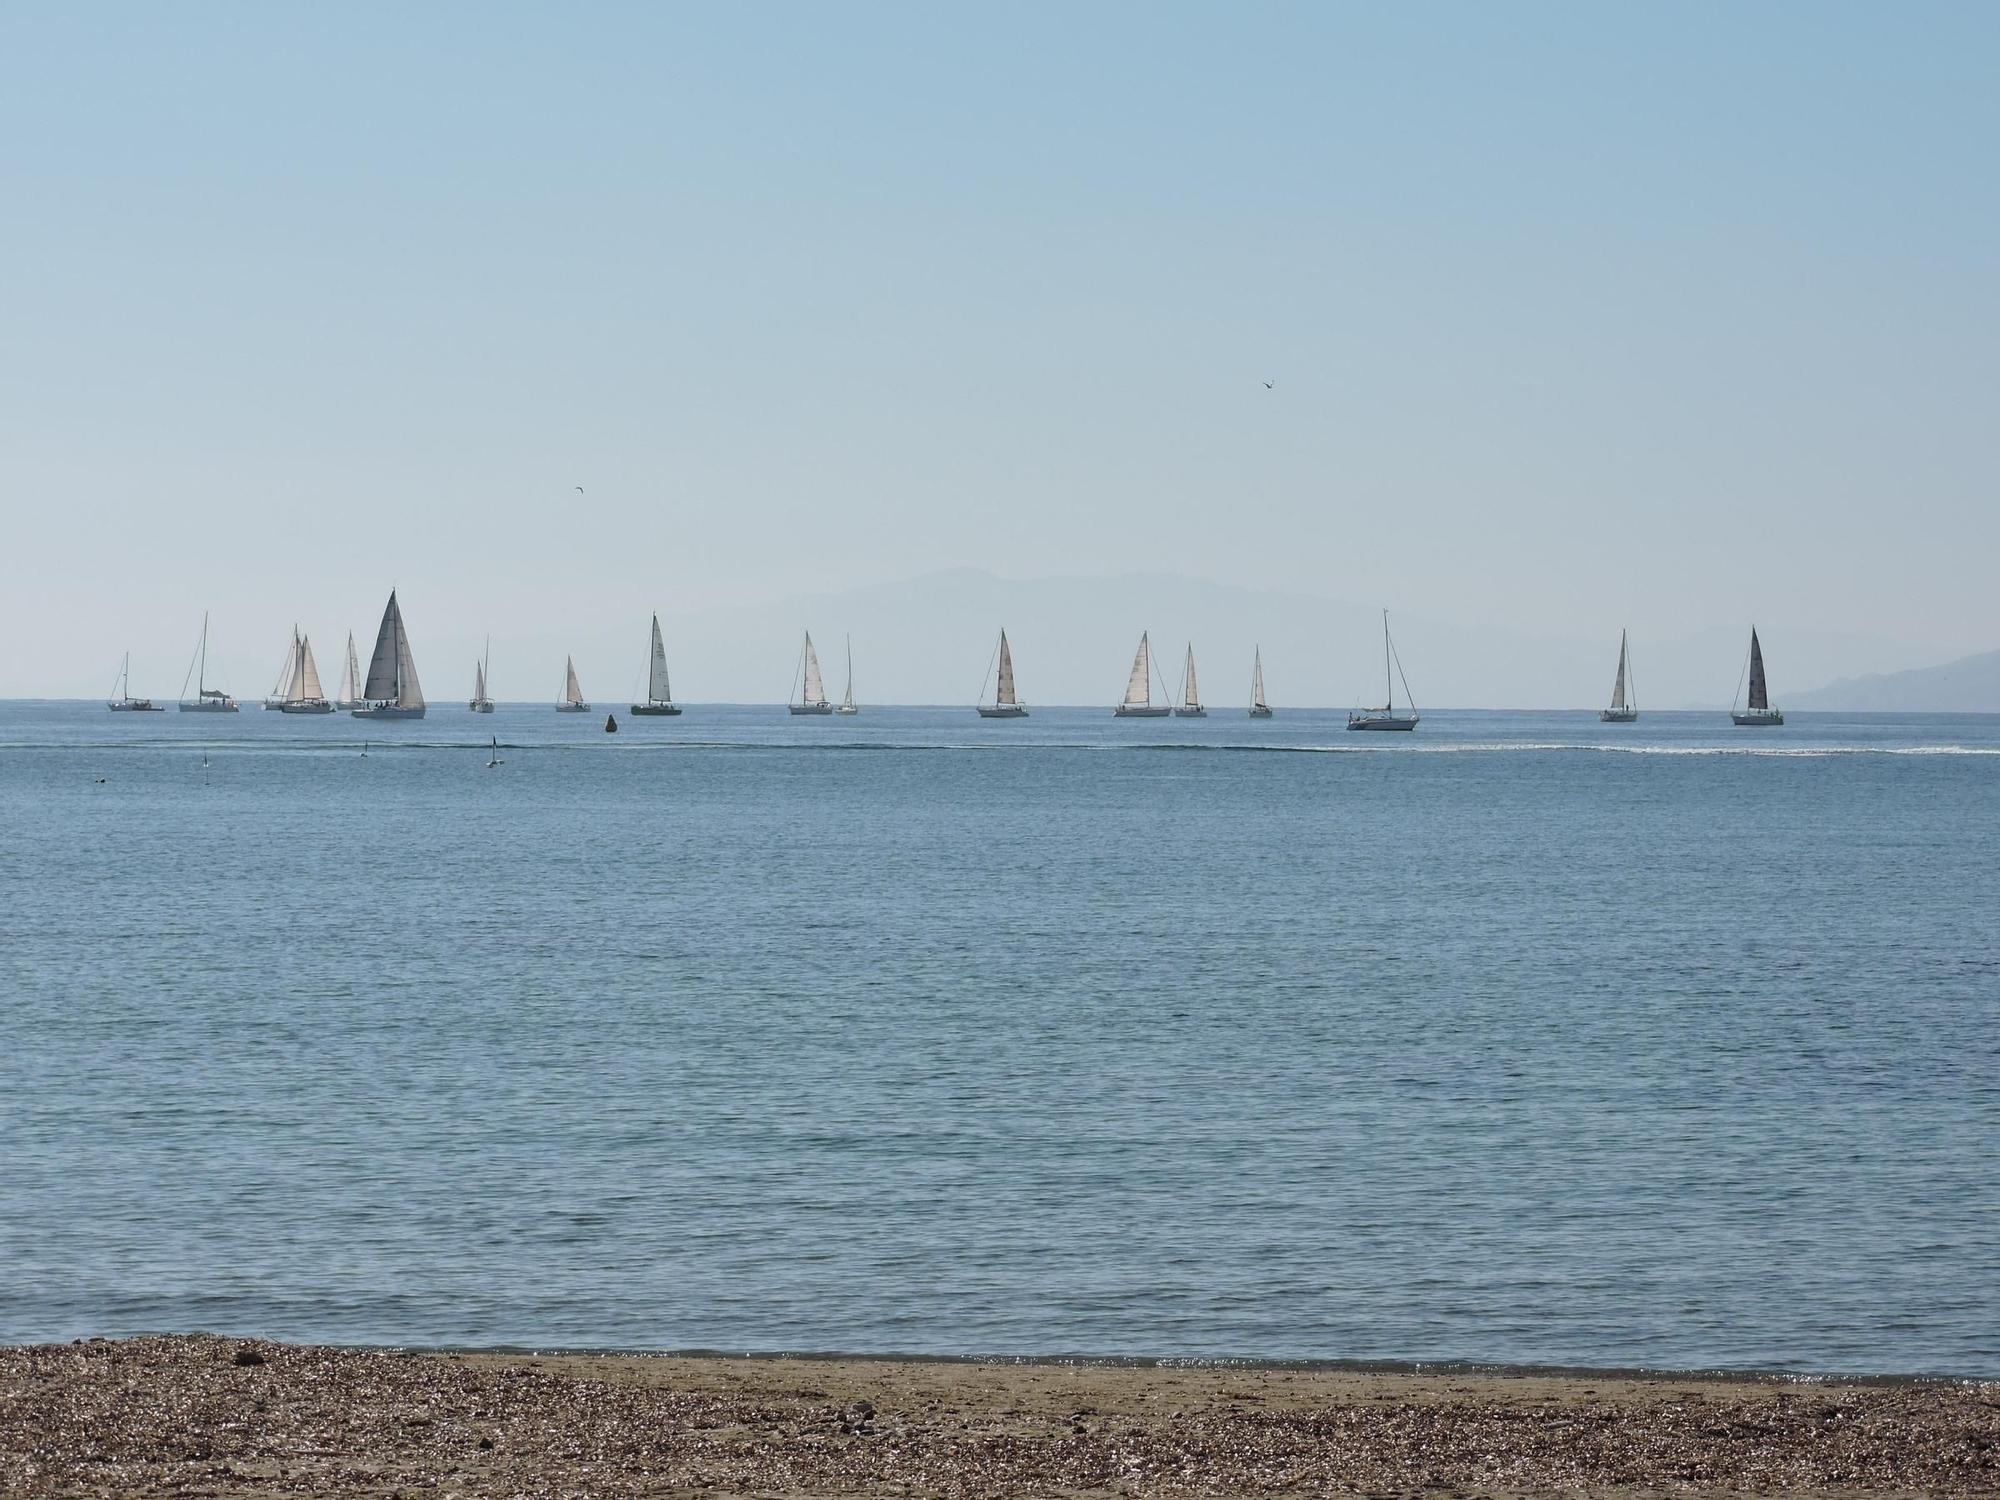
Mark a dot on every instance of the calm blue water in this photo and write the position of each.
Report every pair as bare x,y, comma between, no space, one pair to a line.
1521,1039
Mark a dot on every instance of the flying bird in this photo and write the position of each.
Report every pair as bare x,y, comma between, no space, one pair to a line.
1270,385
579,489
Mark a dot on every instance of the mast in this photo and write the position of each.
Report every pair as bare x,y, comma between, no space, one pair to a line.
847,700
1257,680
1388,678
201,677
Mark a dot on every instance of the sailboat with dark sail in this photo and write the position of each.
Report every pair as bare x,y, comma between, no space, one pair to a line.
392,690
1259,708
1006,704
659,691
1138,702
1757,713
812,690
1386,717
1624,707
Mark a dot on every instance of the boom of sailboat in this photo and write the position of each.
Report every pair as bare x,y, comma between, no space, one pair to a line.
390,688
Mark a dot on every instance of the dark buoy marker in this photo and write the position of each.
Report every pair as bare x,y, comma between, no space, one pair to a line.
610,723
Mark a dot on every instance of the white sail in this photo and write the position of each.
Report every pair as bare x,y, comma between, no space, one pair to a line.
479,682
1139,686
305,685
815,689
1190,698
350,677
847,698
1618,688
282,690
392,671
658,689
572,693
1257,683
1004,695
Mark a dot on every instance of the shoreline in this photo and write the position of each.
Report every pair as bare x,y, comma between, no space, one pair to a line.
254,1419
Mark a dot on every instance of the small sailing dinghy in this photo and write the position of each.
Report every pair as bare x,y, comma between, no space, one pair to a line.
812,691
847,698
571,701
1386,716
1259,709
350,680
481,702
1005,704
1758,713
1624,707
206,700
659,692
392,690
123,702
303,694
1190,704
495,753
1138,702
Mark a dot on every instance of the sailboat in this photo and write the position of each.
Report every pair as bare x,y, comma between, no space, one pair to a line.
659,692
1005,704
1386,716
124,702
1138,702
1758,712
350,680
276,698
495,754
571,701
847,698
1259,709
303,694
812,691
480,702
1624,694
392,690
1190,704
206,700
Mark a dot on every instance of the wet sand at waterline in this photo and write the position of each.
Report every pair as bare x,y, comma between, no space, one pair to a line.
225,1417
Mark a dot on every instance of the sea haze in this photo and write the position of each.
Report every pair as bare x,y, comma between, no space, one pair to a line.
1522,1038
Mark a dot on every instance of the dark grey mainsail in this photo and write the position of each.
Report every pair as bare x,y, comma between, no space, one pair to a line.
1760,693
391,690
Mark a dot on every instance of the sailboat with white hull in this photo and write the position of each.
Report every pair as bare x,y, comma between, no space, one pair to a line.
847,698
659,692
303,694
350,681
123,702
1190,704
1758,713
1624,707
392,690
1259,709
1006,703
812,691
1138,702
1386,717
481,701
572,701
206,700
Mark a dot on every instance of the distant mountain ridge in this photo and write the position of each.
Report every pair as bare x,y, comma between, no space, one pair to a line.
1970,685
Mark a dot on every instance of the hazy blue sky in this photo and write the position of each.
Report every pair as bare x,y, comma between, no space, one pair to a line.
1579,315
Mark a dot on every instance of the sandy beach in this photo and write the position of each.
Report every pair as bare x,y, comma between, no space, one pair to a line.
227,1417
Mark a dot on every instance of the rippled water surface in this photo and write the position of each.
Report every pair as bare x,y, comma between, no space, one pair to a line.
1520,1039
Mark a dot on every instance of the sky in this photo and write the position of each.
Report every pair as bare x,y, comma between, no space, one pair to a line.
1575,317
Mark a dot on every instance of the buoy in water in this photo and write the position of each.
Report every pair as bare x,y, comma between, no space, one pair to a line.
610,723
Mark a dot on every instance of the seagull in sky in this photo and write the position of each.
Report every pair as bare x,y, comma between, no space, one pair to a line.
1270,385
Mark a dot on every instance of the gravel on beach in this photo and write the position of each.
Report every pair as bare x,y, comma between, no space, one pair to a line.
228,1417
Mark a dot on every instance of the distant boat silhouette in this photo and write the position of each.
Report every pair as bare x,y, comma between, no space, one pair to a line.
1138,702
1386,716
659,692
812,691
1758,713
1621,710
1005,704
571,701
1259,709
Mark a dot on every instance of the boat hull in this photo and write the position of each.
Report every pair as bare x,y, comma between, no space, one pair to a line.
656,710
321,707
847,711
1619,716
1139,711
1766,718
387,711
483,706
1260,713
572,708
1190,713
142,706
1382,721
1002,711
208,708
809,708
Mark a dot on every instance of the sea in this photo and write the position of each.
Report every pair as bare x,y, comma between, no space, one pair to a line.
1519,1040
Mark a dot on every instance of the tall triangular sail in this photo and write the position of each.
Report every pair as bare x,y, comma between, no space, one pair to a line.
305,682
658,689
1139,686
478,682
281,691
1760,696
350,677
1618,688
1257,683
392,671
1190,697
1004,695
815,689
572,692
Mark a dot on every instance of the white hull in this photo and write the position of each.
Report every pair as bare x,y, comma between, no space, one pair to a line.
1139,711
387,711
1190,713
1002,711
483,706
847,710
1381,721
226,706
320,707
572,708
809,708
346,705
1260,713
1758,718
1620,716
